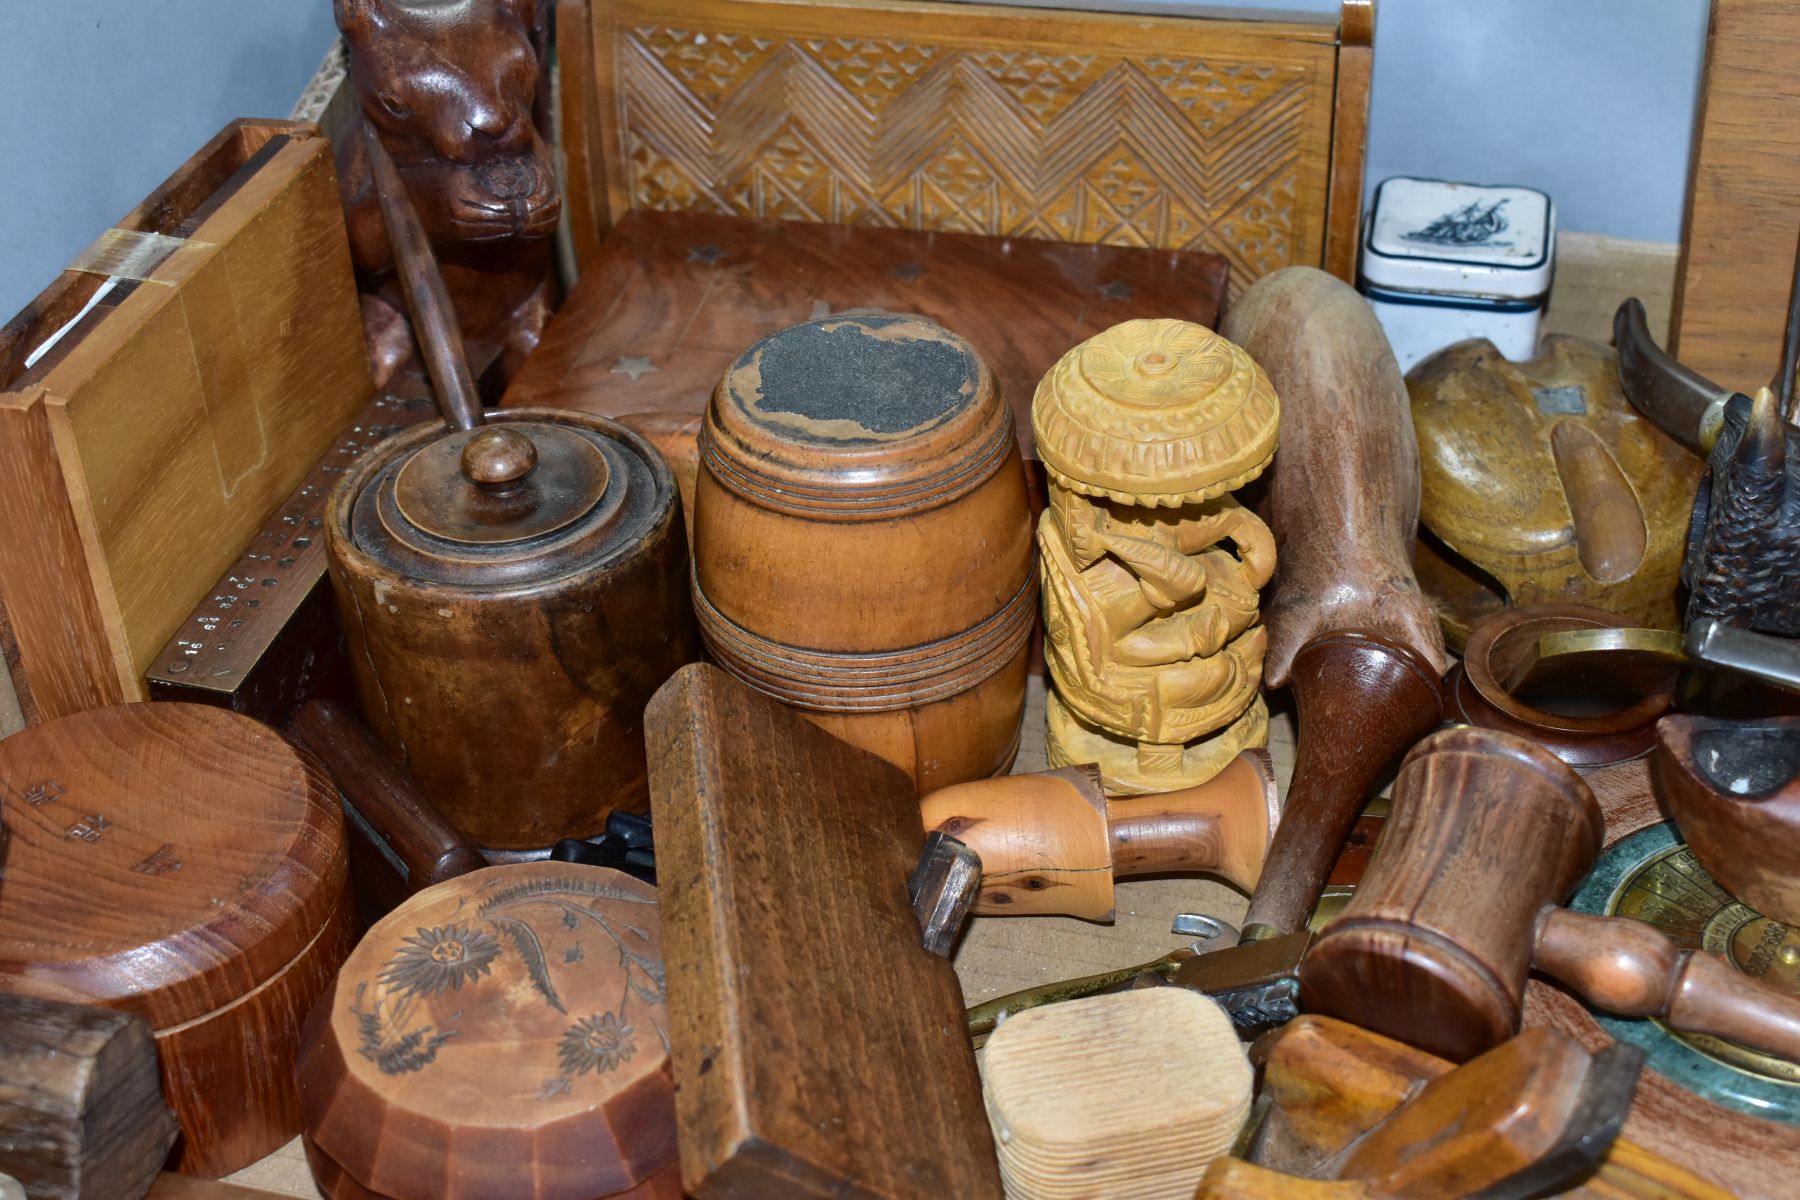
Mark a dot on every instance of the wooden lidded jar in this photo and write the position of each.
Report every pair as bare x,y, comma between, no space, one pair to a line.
862,541
503,1033
512,595
185,864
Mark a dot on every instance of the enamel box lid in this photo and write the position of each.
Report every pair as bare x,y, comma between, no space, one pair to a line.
1459,239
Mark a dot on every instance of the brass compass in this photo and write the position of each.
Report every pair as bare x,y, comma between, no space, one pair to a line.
1652,876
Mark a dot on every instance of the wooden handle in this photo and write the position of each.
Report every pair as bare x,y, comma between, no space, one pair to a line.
1221,826
427,299
384,796
1362,700
1052,843
1630,968
1347,451
1235,1179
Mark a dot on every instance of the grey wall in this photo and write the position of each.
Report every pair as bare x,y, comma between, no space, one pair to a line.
1590,100
101,99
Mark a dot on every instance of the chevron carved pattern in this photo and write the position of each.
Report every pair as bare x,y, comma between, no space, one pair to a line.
971,130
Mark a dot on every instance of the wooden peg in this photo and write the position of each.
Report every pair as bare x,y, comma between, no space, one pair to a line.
81,1108
1054,842
1487,831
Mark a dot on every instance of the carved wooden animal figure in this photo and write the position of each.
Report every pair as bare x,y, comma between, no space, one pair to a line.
459,94
1744,553
1151,621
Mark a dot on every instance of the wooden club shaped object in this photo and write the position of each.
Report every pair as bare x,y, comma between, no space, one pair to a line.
1349,629
1487,833
1053,842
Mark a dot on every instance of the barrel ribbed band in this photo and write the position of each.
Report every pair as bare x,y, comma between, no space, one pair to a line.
873,681
770,486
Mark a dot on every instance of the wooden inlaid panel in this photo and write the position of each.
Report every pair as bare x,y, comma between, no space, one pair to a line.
673,298
1169,132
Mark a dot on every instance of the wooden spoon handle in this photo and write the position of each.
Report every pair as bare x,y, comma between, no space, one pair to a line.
1362,700
1630,968
427,299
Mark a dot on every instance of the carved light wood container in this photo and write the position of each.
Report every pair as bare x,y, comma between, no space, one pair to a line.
185,864
1150,567
501,1033
862,541
1128,1095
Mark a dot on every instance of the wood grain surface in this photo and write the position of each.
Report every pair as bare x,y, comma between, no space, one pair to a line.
674,298
819,1049
178,414
184,864
1743,214
80,1101
1174,132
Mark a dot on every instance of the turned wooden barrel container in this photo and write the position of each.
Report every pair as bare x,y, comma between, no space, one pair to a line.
862,541
512,596
185,864
501,1033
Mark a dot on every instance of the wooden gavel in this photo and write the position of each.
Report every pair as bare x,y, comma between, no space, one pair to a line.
1487,832
1053,843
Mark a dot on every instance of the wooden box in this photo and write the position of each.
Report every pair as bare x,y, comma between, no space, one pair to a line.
213,351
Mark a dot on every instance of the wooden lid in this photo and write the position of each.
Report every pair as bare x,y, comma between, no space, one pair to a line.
856,418
532,495
506,1027
165,859
1157,412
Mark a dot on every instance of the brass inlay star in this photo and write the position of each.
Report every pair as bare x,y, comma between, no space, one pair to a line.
634,365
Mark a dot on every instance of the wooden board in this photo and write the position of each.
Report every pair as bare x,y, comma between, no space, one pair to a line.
140,454
1743,216
1173,132
819,1049
674,298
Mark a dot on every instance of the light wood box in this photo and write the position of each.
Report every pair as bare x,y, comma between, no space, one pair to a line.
140,454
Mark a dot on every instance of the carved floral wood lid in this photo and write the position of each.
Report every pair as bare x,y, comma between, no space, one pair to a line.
856,416
1155,412
163,859
505,1029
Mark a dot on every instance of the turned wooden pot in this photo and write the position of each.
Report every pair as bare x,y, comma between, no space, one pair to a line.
185,864
862,541
512,596
503,1033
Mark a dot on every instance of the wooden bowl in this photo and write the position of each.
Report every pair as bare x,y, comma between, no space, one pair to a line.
1734,788
863,541
502,1033
186,864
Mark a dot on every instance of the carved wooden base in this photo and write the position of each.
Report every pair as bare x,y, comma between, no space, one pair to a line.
1133,769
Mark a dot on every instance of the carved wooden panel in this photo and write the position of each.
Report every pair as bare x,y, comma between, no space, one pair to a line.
1167,132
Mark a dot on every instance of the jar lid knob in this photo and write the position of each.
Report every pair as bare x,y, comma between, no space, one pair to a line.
499,458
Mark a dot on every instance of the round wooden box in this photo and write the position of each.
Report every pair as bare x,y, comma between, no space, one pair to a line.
528,576
186,864
863,541
500,1034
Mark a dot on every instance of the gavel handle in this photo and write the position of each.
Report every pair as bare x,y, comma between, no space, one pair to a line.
1630,968
385,796
1362,700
